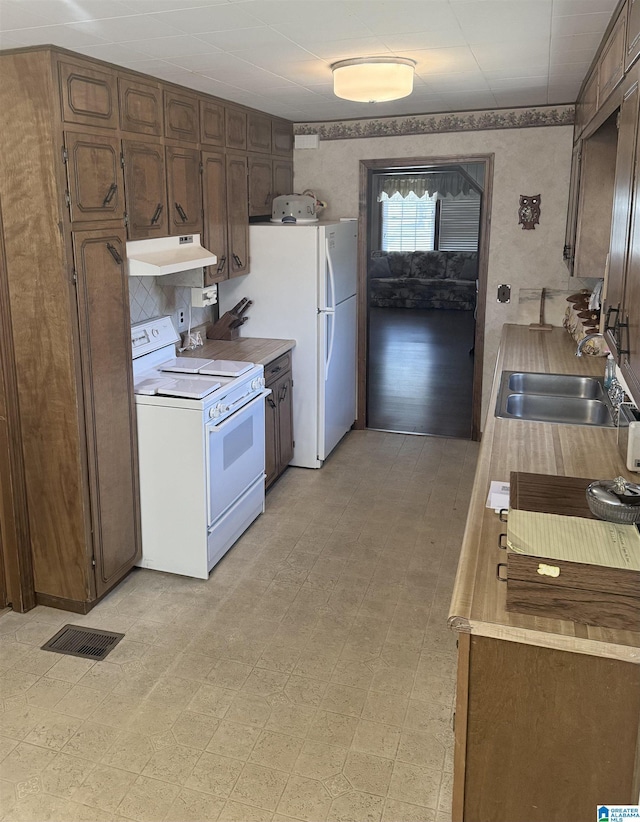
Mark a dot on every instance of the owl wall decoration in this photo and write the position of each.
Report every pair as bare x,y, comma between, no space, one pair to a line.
529,211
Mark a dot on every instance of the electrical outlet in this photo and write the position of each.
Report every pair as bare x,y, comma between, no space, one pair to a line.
182,323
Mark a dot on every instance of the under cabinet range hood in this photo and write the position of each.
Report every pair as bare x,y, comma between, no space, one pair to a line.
167,255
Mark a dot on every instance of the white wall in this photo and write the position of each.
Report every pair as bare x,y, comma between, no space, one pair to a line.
527,161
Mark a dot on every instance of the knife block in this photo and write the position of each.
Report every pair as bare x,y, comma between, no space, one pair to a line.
221,330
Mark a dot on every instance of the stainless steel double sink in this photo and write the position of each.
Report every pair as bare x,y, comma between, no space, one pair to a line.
561,398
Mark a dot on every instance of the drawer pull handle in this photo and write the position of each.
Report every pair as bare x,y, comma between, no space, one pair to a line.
157,213
502,544
221,264
271,402
498,575
109,196
114,253
503,514
238,261
283,394
181,212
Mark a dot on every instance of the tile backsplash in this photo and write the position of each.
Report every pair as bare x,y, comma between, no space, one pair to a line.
148,298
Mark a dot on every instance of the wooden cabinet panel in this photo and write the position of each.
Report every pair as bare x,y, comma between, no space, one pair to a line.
282,178
96,190
572,208
260,195
271,462
181,121
258,133
279,418
140,107
184,190
587,104
145,190
281,138
214,195
285,420
620,219
103,311
612,59
238,214
89,95
235,128
211,123
633,33
628,334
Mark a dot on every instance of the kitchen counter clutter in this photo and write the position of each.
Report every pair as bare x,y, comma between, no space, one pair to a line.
547,710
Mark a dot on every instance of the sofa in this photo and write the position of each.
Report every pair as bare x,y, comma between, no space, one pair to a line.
423,279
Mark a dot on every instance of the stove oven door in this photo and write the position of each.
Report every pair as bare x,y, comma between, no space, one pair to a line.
235,456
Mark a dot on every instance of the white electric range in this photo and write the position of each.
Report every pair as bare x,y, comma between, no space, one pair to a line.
201,451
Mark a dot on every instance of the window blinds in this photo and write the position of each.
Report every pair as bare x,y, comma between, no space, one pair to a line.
408,223
459,224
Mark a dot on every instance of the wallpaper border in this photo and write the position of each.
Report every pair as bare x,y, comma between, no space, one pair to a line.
440,123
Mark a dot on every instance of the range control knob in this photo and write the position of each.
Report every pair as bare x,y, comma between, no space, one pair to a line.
217,410
155,332
257,383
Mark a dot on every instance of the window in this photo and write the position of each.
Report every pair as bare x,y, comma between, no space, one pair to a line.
459,224
408,223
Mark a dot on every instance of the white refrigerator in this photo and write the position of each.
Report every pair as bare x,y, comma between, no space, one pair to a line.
303,287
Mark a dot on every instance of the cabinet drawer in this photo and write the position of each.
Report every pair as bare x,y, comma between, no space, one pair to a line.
140,107
277,368
181,119
88,96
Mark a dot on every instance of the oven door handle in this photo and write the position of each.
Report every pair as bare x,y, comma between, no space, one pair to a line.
213,427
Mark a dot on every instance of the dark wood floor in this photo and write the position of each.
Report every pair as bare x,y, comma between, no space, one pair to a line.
420,371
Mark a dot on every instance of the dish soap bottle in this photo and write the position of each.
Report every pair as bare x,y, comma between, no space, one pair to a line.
609,371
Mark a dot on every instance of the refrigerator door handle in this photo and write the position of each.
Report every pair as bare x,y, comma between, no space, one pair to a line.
329,315
332,282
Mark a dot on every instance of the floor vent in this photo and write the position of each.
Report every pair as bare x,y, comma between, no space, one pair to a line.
89,643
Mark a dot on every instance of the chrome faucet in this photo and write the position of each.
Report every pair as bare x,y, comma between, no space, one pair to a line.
586,339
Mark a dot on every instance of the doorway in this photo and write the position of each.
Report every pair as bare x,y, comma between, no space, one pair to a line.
422,268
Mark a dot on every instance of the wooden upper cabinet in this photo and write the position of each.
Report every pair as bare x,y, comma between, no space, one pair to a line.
238,214
140,107
258,132
181,119
281,138
103,313
96,190
612,59
587,104
145,190
184,190
282,177
89,95
235,128
260,191
214,197
633,33
211,123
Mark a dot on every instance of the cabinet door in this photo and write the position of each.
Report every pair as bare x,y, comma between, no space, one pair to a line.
235,128
633,33
184,190
258,133
211,123
271,467
145,189
89,95
259,186
238,212
281,138
214,192
572,208
612,60
620,218
105,347
282,177
96,190
285,421
629,334
140,107
181,119
587,104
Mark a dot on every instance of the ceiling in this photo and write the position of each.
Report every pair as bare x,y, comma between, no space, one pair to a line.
275,55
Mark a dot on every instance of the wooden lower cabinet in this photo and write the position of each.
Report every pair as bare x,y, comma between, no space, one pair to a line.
542,735
278,418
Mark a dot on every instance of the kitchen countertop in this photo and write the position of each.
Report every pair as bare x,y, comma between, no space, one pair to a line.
259,350
478,601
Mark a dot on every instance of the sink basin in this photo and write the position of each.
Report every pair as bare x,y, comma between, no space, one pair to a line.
556,385
559,398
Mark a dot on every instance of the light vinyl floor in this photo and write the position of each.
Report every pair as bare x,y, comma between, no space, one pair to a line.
310,678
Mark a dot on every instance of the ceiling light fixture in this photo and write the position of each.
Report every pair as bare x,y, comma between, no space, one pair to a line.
373,79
